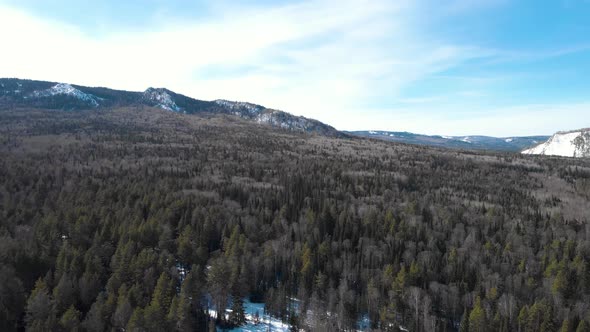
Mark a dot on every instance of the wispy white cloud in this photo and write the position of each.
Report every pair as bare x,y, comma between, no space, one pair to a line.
324,59
313,58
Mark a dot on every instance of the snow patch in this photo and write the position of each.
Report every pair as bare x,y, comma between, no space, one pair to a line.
238,107
508,140
263,115
265,321
66,89
162,99
182,272
560,144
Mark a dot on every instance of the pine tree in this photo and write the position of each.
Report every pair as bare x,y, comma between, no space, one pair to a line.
477,319
172,316
414,274
540,317
464,327
559,285
184,316
190,298
523,318
40,311
64,294
387,316
186,245
399,284
237,317
156,312
136,322
70,320
124,310
217,284
306,265
97,317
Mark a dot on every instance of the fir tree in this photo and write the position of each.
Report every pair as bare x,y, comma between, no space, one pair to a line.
40,312
70,320
237,316
477,319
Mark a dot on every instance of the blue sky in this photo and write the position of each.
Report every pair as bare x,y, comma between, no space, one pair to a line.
452,67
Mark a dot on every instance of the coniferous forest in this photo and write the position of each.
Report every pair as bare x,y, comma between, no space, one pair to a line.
139,219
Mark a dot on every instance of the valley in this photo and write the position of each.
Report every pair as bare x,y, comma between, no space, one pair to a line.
100,208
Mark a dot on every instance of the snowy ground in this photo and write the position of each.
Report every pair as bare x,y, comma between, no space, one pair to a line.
363,323
267,323
560,144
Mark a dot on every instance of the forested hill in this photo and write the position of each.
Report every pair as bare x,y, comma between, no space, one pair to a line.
63,96
143,219
476,142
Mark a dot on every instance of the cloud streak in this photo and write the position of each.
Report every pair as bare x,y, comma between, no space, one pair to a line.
337,61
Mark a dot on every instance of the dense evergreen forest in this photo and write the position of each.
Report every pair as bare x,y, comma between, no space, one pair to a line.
140,219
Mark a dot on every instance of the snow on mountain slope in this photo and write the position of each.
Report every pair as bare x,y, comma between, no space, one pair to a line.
16,92
565,144
66,89
161,98
275,118
239,108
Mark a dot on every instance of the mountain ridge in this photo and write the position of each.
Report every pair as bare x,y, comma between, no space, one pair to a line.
471,142
15,92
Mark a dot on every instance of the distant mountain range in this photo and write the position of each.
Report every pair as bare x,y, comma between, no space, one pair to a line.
15,93
53,95
575,143
514,144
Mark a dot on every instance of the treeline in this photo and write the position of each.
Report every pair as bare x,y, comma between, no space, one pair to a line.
142,220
